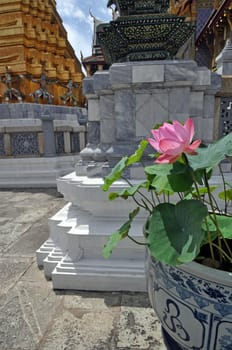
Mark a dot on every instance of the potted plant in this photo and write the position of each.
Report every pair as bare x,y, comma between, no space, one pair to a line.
187,233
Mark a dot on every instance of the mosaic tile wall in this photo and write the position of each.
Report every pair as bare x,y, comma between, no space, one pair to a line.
225,123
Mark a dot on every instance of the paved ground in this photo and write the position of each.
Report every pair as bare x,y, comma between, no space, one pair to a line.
35,317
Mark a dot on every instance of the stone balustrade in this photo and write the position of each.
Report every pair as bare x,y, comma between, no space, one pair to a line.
29,140
35,130
39,143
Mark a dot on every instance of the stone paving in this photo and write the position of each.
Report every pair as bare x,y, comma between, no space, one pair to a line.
35,317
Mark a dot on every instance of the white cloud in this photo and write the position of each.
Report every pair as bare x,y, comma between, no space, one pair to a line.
78,22
79,41
78,13
65,8
106,12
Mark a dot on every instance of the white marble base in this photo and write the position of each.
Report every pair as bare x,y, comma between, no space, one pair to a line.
72,257
94,274
35,172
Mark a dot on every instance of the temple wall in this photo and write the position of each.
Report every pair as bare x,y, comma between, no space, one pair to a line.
224,97
129,99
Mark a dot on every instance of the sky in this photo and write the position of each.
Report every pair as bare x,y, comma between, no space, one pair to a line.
78,22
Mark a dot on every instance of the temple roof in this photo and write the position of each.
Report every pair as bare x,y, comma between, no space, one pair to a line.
97,57
94,59
214,19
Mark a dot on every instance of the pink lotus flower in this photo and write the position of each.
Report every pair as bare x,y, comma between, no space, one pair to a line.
171,140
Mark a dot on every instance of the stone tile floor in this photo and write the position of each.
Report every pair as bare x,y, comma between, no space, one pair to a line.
35,317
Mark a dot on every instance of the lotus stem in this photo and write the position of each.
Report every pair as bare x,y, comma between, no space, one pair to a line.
185,159
227,246
209,240
141,205
222,237
137,242
214,215
224,186
153,198
141,194
222,252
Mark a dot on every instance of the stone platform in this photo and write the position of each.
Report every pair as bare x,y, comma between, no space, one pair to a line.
33,316
72,256
32,172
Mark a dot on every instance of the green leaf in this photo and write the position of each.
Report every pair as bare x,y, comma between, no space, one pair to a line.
174,232
115,174
180,177
226,195
135,158
126,192
159,169
225,225
118,235
161,184
212,155
200,175
125,162
113,195
133,214
204,190
170,177
210,224
157,174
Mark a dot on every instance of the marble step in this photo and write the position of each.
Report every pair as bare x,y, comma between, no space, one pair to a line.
35,171
74,251
99,275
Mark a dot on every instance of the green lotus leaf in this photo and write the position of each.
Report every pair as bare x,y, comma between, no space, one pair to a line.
115,174
118,235
161,184
212,155
174,234
180,177
134,158
170,177
204,190
225,225
158,169
126,192
226,195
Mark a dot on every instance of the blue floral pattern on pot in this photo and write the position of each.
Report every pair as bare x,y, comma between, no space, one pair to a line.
195,309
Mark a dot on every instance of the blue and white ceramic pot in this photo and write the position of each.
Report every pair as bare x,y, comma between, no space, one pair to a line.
193,303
